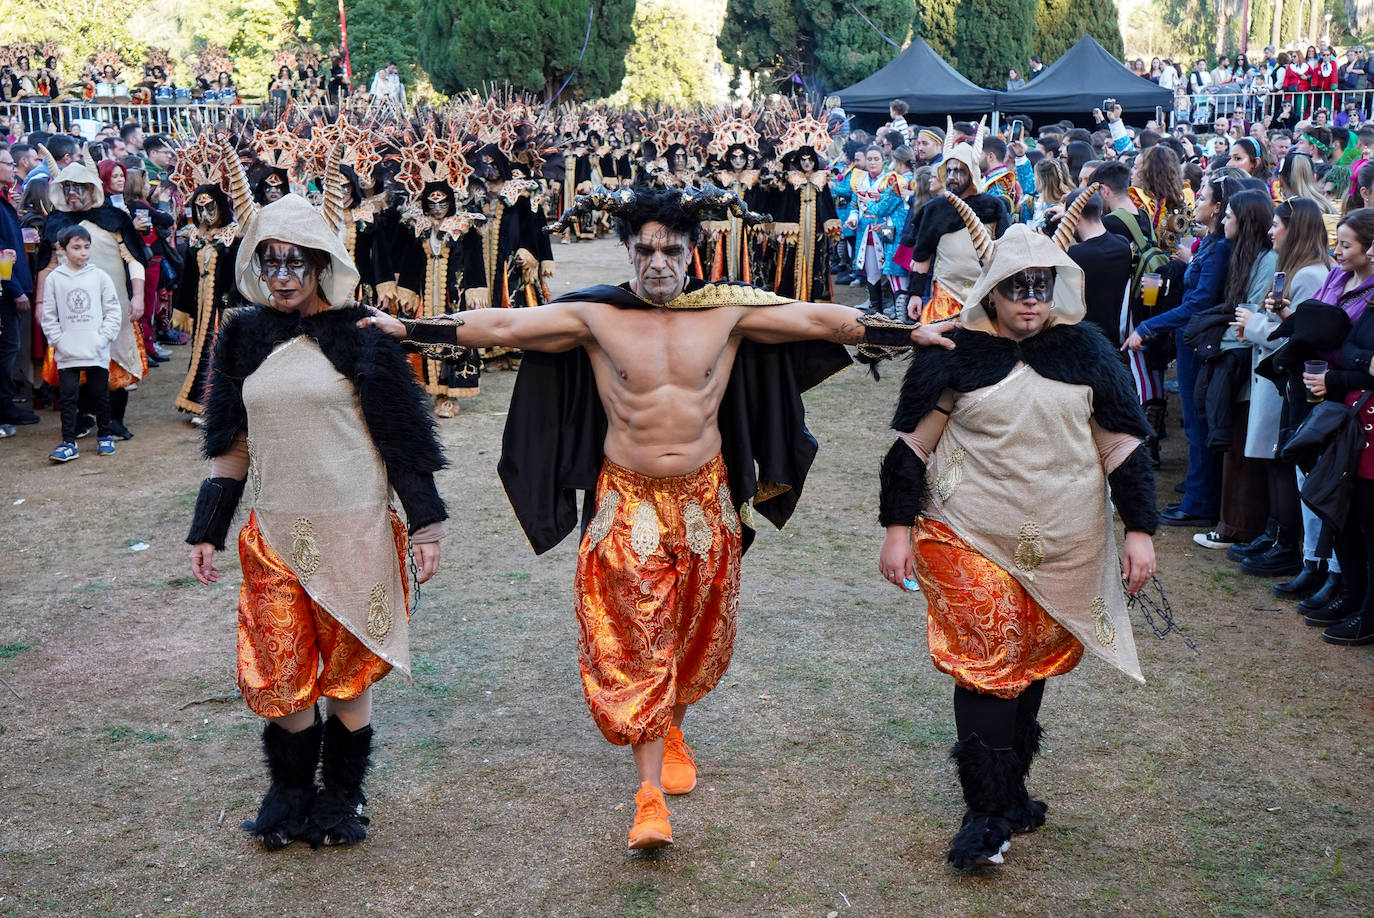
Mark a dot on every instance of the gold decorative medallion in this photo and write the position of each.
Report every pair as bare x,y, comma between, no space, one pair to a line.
644,532
1104,629
378,613
1030,548
698,531
305,550
951,474
604,519
727,508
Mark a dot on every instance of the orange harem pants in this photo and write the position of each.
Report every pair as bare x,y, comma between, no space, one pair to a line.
982,626
292,651
657,590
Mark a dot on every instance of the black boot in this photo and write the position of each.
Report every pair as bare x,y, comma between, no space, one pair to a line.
337,817
875,300
1323,597
1280,560
1352,630
1025,814
1155,411
900,301
1257,546
1343,605
291,760
1308,581
987,776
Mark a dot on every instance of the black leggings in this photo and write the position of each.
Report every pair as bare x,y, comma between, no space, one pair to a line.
1355,548
993,719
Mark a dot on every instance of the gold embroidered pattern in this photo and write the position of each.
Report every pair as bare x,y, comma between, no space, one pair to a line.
767,490
1104,629
746,515
727,509
698,531
378,613
951,475
644,532
435,350
305,550
254,473
604,519
713,295
1030,548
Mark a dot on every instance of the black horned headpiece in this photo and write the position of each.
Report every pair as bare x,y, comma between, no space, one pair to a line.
680,209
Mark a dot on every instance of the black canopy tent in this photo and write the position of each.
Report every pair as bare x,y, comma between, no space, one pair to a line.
1078,82
922,79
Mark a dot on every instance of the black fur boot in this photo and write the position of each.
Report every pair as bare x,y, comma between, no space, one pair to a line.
291,760
1025,814
337,817
987,776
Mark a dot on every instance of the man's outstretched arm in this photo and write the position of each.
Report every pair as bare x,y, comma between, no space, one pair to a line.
552,327
799,321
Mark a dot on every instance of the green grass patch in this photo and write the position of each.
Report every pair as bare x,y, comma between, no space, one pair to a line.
12,650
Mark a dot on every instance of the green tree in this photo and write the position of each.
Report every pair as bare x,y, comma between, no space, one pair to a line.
531,44
1192,27
674,59
935,23
821,40
992,36
379,31
1059,24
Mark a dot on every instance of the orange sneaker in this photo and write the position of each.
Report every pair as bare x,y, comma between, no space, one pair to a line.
651,829
679,774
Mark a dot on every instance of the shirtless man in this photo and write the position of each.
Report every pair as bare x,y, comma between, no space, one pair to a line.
657,584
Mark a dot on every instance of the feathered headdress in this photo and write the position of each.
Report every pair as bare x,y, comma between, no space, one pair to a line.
199,163
213,60
433,160
674,130
285,57
107,57
732,132
158,57
804,132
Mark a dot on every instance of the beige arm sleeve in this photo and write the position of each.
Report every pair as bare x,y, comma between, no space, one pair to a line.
1114,448
234,463
922,440
431,533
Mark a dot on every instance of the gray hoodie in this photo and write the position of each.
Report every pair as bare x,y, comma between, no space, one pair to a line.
81,316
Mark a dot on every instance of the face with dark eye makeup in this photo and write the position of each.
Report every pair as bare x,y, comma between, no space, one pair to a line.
659,257
291,273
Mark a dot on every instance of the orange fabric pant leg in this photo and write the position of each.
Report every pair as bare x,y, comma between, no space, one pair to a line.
657,591
285,636
982,626
941,305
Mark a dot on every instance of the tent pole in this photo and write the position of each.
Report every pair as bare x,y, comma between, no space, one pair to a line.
996,121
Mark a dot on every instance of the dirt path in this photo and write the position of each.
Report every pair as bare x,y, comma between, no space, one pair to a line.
1237,782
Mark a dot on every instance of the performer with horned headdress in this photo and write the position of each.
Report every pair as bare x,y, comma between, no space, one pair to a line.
995,495
676,404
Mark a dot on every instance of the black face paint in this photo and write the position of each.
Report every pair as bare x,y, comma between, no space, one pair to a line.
282,261
1032,282
806,162
436,205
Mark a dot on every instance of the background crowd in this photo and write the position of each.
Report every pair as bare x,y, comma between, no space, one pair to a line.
1229,261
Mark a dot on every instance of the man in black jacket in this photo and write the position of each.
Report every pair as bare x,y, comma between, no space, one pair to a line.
16,285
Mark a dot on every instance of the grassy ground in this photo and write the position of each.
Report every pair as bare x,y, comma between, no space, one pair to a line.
1236,782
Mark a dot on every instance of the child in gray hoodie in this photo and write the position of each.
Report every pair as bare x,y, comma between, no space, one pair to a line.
81,316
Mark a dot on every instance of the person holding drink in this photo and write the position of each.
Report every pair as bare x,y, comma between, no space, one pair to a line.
1348,618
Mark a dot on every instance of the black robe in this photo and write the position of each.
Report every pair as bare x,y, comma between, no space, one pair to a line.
556,427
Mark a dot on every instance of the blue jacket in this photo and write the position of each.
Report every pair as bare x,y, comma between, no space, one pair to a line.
891,208
12,237
1204,283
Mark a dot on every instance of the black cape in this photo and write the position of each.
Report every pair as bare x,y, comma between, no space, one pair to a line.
556,427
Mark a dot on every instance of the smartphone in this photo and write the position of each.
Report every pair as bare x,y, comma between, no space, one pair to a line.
1018,130
1276,291
1159,115
1107,105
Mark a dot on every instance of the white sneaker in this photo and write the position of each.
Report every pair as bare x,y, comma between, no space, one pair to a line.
1212,540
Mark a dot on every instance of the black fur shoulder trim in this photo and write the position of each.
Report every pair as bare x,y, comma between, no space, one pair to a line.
978,359
1080,354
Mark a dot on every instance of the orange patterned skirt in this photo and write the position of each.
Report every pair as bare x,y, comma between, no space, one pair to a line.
285,636
657,590
982,626
941,305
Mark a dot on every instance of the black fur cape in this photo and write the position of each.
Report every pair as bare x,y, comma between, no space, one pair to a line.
393,403
1077,354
